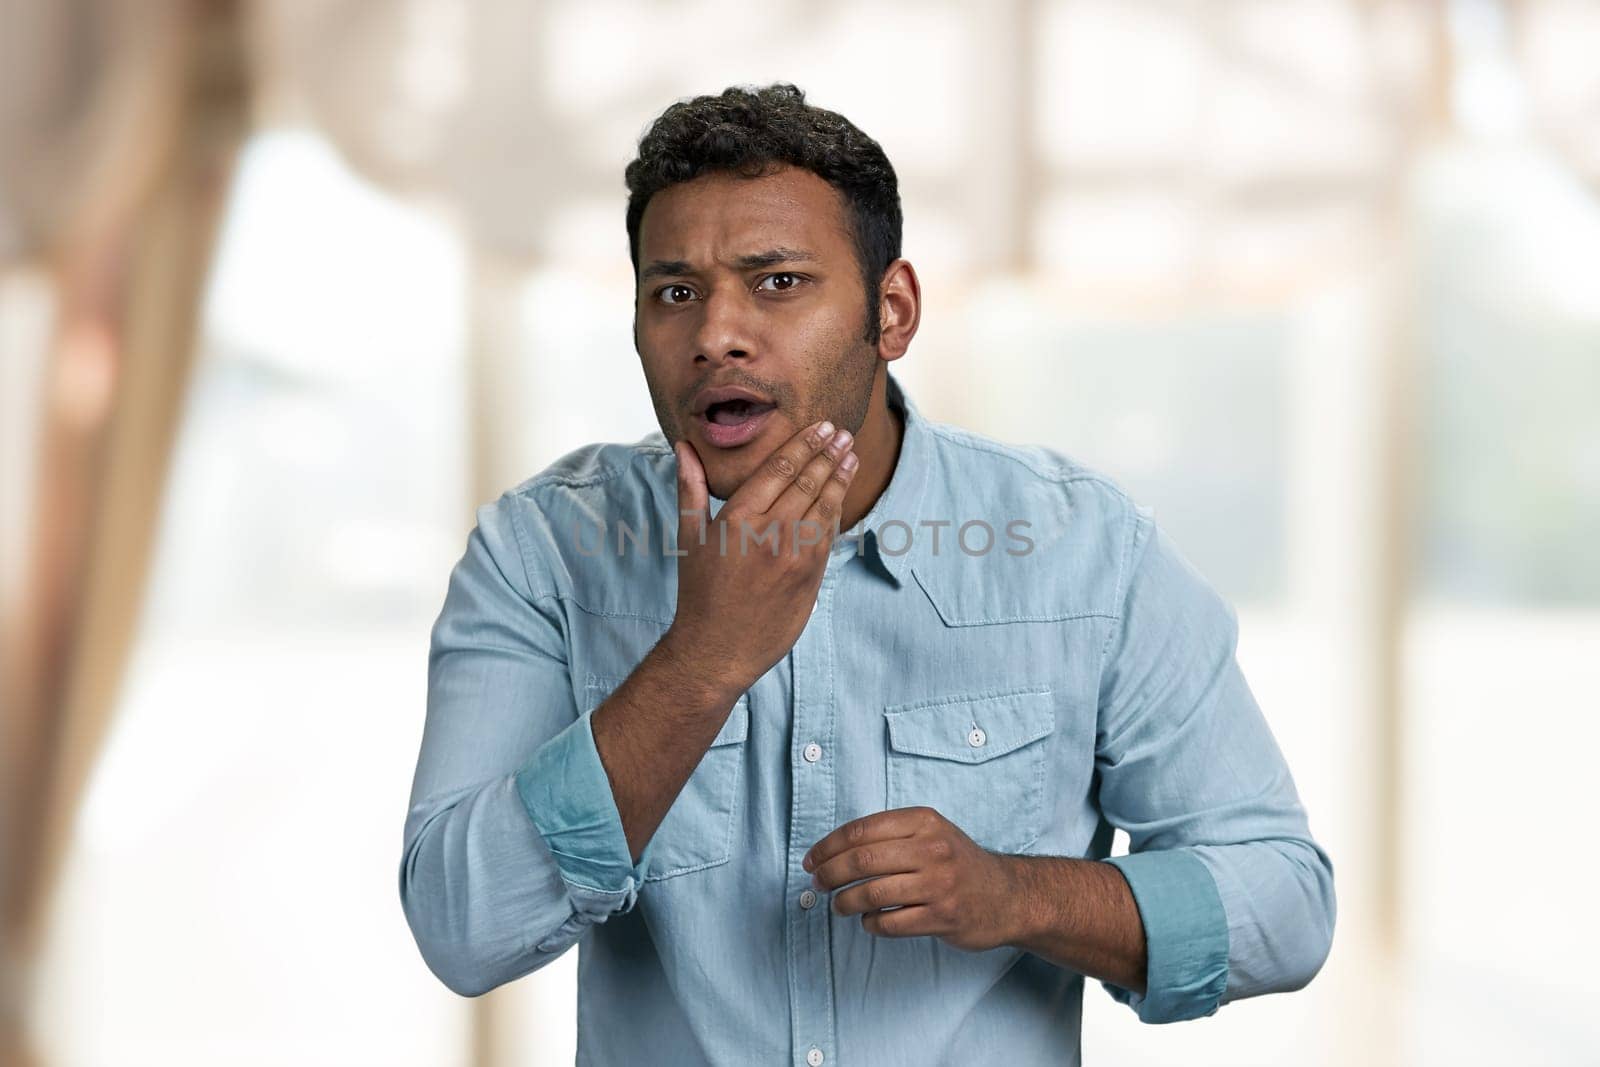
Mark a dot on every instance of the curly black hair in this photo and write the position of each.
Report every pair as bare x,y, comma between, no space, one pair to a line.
752,131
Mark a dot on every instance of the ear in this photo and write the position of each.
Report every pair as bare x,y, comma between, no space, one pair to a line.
899,309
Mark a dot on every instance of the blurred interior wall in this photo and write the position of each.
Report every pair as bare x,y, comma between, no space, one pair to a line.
122,125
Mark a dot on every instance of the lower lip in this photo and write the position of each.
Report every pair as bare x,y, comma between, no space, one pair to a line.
735,435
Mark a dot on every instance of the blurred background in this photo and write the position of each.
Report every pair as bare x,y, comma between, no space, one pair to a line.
286,289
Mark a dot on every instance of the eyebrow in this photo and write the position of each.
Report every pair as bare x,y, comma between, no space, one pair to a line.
753,261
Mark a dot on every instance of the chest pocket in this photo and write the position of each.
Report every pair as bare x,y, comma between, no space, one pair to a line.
978,760
697,831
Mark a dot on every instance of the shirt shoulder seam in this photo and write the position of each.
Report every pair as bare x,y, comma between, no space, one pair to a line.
583,481
1126,558
1058,473
528,491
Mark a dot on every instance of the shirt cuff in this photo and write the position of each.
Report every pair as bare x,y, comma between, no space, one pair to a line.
1185,934
567,794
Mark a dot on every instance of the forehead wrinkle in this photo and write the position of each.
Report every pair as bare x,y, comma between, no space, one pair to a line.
772,257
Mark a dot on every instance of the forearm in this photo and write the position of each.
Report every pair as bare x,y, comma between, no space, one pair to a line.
1278,897
652,732
489,900
483,896
1078,914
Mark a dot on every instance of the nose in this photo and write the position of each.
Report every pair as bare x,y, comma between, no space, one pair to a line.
725,330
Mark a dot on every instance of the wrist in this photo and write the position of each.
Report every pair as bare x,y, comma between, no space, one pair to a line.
702,677
1019,904
1049,899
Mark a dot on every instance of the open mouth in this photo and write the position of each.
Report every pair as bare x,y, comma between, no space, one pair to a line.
734,412
729,423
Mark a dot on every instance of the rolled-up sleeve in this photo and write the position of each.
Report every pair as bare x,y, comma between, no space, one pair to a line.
567,794
1235,895
513,845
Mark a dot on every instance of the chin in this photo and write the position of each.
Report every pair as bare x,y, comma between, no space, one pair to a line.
726,480
727,470
723,487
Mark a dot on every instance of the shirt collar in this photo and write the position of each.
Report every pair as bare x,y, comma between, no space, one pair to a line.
898,505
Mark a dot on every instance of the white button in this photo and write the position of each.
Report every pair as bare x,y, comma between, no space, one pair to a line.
812,752
814,1057
807,898
977,737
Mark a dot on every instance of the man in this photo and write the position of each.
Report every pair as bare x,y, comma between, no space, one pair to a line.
808,796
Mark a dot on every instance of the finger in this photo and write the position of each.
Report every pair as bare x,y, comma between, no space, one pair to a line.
879,826
898,856
829,505
890,891
763,487
692,494
797,499
916,920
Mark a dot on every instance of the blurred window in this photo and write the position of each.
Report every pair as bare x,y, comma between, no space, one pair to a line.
231,897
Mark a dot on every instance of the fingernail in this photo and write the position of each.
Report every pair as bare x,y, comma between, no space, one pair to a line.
806,863
841,439
825,429
849,462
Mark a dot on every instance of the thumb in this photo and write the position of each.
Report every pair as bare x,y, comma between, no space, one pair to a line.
692,493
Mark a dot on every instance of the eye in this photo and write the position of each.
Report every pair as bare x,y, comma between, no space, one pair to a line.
792,280
674,294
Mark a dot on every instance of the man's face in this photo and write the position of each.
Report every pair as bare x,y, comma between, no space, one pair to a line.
753,283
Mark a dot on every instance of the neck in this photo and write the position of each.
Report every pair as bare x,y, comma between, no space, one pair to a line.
877,445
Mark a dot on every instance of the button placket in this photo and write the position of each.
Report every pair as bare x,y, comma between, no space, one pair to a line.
812,814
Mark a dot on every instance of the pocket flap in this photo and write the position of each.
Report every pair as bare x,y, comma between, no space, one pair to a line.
734,730
973,728
737,728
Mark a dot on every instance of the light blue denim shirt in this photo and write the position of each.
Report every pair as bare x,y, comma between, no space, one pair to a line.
1063,674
